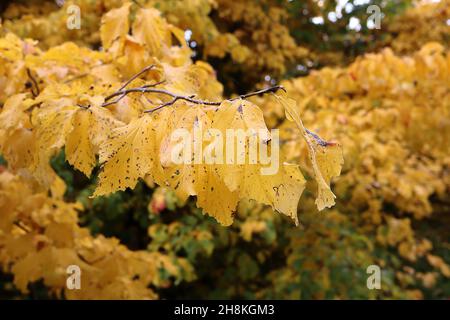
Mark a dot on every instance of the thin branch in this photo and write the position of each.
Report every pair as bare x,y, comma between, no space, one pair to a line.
105,104
35,84
93,261
130,80
176,97
318,139
84,107
153,84
210,103
17,224
148,68
273,89
150,88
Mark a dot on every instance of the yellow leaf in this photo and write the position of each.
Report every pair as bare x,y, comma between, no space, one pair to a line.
195,178
151,30
214,196
17,140
126,156
114,29
282,185
53,122
326,158
59,123
182,176
79,149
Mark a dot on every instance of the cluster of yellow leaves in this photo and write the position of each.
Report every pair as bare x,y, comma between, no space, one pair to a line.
263,31
255,35
326,158
195,15
261,45
58,100
391,113
139,148
13,51
47,22
67,109
150,39
40,238
427,21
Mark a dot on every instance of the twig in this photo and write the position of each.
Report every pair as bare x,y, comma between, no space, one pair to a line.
17,224
273,89
148,68
35,84
153,84
210,103
318,139
84,107
123,92
177,97
105,104
149,88
93,261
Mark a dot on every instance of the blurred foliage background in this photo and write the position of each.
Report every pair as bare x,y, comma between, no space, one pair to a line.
392,198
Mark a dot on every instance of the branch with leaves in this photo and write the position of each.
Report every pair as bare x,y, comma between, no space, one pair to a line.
136,143
122,92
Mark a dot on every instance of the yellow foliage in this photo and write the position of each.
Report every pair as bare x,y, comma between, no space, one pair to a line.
91,112
391,115
120,104
40,237
427,21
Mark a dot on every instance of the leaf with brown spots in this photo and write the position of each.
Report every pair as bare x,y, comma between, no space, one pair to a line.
326,157
125,156
279,185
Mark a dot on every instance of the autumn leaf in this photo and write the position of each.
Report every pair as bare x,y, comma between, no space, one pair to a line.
326,158
280,189
17,138
81,130
114,28
194,177
125,156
